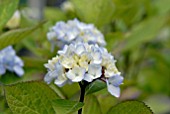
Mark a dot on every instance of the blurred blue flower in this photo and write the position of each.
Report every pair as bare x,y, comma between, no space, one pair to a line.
65,33
10,61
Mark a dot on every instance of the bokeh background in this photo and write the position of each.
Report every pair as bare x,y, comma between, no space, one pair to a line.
137,34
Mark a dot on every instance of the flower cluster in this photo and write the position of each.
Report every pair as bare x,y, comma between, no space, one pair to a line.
82,61
65,33
10,61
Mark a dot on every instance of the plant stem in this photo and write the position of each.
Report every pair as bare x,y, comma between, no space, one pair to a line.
82,94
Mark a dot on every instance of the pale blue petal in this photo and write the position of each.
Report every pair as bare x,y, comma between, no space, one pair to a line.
70,75
97,57
88,77
2,69
18,61
78,79
47,78
54,73
60,81
95,70
115,91
76,74
72,33
8,51
18,70
80,49
62,52
59,29
115,80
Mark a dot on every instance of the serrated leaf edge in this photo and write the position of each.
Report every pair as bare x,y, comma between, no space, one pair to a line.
10,85
130,101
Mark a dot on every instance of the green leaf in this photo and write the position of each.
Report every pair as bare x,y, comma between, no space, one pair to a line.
7,8
62,106
4,109
112,39
70,89
38,63
91,105
130,107
30,98
29,75
143,32
128,12
94,11
14,36
57,90
154,102
106,100
9,77
95,86
162,6
49,14
156,70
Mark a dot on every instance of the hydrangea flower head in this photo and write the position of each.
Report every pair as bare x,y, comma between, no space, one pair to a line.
65,33
82,61
10,61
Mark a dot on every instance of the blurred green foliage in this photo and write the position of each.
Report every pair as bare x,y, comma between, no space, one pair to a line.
137,34
7,8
